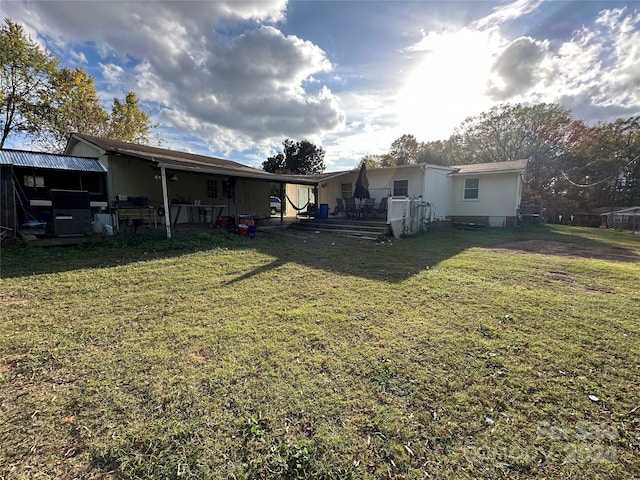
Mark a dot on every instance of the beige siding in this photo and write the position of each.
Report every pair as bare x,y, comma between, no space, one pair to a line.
498,196
81,149
252,197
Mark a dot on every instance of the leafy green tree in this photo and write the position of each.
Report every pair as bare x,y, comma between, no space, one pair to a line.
128,123
301,158
376,161
405,150
604,168
75,108
275,164
47,104
25,82
542,133
440,152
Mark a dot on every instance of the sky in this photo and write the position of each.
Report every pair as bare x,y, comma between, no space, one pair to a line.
234,79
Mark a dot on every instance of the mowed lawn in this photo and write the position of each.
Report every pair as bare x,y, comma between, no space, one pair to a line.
457,354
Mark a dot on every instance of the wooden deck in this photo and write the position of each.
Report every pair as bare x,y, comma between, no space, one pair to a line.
371,228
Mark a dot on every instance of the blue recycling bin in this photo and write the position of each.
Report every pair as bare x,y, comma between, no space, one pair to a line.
324,211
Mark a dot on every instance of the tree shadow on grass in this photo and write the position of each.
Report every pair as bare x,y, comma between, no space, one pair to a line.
388,260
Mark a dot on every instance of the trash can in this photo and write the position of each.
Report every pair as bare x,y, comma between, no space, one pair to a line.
324,210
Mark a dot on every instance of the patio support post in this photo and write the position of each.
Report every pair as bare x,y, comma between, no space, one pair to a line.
165,201
283,203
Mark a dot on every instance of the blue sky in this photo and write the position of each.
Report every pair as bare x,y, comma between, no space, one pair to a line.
234,79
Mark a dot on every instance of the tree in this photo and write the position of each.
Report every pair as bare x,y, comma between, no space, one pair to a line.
48,104
375,161
301,158
275,164
440,152
604,168
25,82
128,123
543,133
405,150
75,108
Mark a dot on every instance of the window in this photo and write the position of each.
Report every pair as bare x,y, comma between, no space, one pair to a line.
33,181
346,189
212,189
471,188
401,188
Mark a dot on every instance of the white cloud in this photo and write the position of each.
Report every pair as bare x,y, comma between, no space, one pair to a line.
78,57
517,68
596,72
258,82
505,13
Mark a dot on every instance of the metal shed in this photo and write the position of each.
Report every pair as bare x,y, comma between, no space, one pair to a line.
29,179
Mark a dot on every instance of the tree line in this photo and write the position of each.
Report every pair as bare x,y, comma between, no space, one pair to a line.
571,166
45,103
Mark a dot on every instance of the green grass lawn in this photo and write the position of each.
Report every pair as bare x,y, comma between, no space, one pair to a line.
488,354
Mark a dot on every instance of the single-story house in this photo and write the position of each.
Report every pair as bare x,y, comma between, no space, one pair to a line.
145,183
47,193
625,218
133,184
486,193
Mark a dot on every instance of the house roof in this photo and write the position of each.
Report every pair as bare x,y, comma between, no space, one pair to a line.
22,158
176,160
631,211
493,167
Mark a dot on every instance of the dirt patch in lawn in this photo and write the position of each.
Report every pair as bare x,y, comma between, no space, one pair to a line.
6,367
549,247
6,300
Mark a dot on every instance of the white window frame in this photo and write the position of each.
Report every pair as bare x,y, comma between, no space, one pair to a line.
346,190
399,185
468,189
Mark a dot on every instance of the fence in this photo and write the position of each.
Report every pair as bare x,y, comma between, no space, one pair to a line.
408,216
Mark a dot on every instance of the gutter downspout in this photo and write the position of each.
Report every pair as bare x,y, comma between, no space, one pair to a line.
165,201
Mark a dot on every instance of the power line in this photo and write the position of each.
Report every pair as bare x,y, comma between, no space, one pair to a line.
580,185
619,172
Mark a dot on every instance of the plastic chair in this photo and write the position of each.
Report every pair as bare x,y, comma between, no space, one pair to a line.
350,207
382,208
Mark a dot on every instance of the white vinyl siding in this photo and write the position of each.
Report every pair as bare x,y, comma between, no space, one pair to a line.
471,188
401,188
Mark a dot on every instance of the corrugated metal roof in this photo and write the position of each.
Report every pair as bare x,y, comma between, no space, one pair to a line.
20,158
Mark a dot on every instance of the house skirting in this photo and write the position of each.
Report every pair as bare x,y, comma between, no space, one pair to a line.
487,221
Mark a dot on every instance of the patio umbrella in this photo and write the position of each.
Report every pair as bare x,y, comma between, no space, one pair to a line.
362,184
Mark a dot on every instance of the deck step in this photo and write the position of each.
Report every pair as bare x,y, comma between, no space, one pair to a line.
341,227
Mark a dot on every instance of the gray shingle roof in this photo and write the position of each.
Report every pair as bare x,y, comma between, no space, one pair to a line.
494,167
191,161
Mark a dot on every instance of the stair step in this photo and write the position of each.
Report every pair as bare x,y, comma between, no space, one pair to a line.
376,228
340,227
349,233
